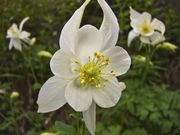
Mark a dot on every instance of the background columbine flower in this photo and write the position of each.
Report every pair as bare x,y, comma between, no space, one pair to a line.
85,68
18,36
150,31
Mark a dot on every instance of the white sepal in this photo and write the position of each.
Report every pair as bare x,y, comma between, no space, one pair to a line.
70,29
22,23
131,36
109,27
51,95
89,118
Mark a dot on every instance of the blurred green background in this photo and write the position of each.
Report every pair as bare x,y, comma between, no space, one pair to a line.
151,108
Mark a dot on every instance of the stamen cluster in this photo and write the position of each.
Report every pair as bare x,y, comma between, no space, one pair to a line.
91,73
146,27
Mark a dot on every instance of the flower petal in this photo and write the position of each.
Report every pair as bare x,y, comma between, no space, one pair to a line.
22,23
78,97
109,27
10,44
69,31
61,64
120,60
159,25
88,40
134,14
146,16
89,117
24,34
52,95
132,34
110,94
15,27
17,44
136,19
154,39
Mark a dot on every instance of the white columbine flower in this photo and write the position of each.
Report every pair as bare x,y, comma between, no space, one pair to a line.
151,31
85,68
18,36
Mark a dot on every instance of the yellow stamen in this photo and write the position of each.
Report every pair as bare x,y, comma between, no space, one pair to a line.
146,27
91,73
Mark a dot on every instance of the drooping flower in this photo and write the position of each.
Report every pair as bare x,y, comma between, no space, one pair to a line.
85,68
45,54
168,46
151,31
14,95
18,36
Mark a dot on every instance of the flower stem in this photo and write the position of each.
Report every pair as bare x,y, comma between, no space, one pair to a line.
32,69
83,129
78,127
147,64
14,118
29,60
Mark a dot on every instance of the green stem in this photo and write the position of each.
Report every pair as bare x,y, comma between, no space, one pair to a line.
149,54
83,129
28,59
31,67
146,70
147,65
14,118
78,127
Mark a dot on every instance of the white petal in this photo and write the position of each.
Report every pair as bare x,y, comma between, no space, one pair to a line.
24,34
27,40
132,34
22,23
10,44
89,117
17,44
78,97
15,28
70,29
109,27
61,64
146,16
154,39
88,40
159,25
110,94
135,14
52,95
136,19
120,60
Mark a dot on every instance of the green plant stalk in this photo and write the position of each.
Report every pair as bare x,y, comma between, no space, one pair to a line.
149,55
147,65
14,118
78,127
30,64
83,129
31,67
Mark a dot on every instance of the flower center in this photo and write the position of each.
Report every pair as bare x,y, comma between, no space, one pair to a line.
146,27
92,73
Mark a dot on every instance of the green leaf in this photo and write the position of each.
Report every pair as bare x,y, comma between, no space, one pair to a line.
110,130
136,131
64,129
